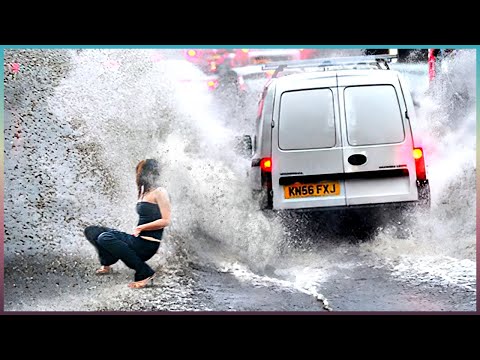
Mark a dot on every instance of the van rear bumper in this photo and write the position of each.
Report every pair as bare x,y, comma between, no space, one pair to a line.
405,205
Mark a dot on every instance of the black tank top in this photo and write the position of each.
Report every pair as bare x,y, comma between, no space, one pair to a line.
149,212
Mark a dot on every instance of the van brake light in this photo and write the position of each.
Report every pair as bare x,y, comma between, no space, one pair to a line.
419,164
266,164
417,153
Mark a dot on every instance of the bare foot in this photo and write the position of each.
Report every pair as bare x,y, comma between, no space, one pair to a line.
103,270
142,283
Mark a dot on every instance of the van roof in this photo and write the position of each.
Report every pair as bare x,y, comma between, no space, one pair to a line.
383,75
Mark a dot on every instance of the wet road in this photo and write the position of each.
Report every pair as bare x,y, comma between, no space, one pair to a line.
62,137
55,283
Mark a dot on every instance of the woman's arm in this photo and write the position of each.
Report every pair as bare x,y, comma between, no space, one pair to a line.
161,198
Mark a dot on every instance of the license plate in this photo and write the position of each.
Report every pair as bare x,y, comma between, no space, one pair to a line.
299,190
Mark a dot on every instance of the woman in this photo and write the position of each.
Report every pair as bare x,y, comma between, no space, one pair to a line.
153,208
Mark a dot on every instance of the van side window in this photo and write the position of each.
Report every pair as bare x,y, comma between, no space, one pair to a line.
307,119
373,115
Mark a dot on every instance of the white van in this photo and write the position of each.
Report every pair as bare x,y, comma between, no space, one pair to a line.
337,137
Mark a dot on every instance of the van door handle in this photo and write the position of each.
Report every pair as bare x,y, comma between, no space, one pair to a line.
357,159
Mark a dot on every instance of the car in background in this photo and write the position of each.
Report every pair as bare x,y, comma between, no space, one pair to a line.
239,77
265,56
251,79
187,77
247,57
238,58
447,74
403,55
310,54
249,83
208,60
243,75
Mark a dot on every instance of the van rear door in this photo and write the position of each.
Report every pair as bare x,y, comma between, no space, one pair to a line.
378,162
307,153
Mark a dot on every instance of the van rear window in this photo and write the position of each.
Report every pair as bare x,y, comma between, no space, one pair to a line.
307,120
373,115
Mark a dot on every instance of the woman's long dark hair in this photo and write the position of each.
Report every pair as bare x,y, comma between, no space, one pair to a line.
148,172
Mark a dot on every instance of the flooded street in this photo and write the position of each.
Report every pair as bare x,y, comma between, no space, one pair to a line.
78,121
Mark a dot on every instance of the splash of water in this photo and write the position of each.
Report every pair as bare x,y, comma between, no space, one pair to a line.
447,234
115,107
205,175
145,107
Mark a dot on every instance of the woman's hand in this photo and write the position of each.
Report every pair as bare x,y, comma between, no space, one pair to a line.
137,231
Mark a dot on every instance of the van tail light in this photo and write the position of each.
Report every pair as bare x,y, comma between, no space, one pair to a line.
266,165
266,171
266,175
420,164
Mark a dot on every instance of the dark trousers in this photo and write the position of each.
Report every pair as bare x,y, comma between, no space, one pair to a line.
113,245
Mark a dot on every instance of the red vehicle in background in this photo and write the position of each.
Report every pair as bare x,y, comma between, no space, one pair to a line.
435,59
211,60
309,54
246,57
208,60
239,57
